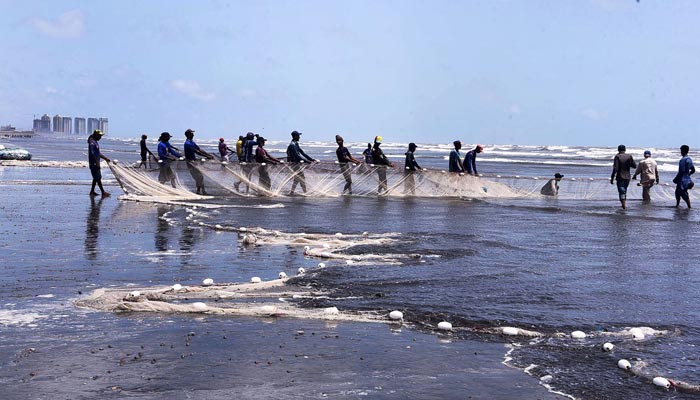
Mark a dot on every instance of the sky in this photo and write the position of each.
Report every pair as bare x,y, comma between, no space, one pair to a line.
559,72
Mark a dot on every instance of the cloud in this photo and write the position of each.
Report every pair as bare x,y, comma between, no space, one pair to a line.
192,89
69,25
50,90
593,115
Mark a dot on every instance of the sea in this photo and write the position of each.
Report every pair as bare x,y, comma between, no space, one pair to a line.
547,266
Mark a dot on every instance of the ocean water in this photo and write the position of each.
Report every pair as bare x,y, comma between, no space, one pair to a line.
548,265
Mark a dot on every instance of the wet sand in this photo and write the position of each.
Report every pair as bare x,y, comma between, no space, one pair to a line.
59,244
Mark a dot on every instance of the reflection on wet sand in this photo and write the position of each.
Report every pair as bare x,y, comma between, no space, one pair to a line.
92,229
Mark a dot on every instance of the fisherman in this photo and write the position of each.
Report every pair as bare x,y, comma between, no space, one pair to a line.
264,158
344,158
650,175
551,188
191,153
368,154
621,172
455,164
247,157
224,150
94,156
239,148
145,152
682,180
167,154
382,163
470,159
411,166
296,156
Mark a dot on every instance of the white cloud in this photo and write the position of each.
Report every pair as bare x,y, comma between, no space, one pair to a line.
192,89
592,114
514,109
69,25
51,90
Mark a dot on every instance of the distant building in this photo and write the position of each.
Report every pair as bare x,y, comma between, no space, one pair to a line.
67,125
57,123
104,125
93,124
79,126
42,124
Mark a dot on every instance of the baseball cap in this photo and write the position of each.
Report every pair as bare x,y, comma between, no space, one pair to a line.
647,153
98,132
296,133
378,139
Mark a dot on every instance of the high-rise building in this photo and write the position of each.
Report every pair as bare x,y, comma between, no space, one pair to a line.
104,125
93,124
67,123
79,126
57,123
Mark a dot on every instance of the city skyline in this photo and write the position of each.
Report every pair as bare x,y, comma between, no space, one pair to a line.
66,124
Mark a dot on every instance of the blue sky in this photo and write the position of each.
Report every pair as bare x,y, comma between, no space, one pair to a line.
586,72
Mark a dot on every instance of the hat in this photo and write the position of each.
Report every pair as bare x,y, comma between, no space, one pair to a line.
296,133
189,131
166,134
378,139
261,139
250,135
558,175
412,145
338,138
98,132
647,153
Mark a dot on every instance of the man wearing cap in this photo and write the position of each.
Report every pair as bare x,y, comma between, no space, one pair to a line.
411,166
650,175
621,173
455,164
344,158
382,163
551,188
144,151
296,156
470,159
192,150
264,158
167,154
94,156
247,157
224,150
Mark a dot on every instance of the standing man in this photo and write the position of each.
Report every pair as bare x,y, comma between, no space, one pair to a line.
368,154
239,148
144,151
224,150
296,156
455,164
94,156
650,174
167,154
621,172
470,159
382,163
682,179
264,158
247,157
344,158
411,166
191,153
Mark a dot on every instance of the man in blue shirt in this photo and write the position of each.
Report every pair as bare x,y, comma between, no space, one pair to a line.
411,166
296,156
470,159
167,154
682,179
455,164
94,156
191,152
344,160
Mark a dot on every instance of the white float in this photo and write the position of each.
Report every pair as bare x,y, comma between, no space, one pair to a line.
268,309
349,262
396,315
249,238
301,271
444,326
578,335
217,226
637,333
326,246
208,282
177,287
510,331
624,364
608,346
199,306
338,234
135,293
282,275
322,265
306,249
255,279
662,382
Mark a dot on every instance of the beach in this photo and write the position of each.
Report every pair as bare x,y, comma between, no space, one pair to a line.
541,267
